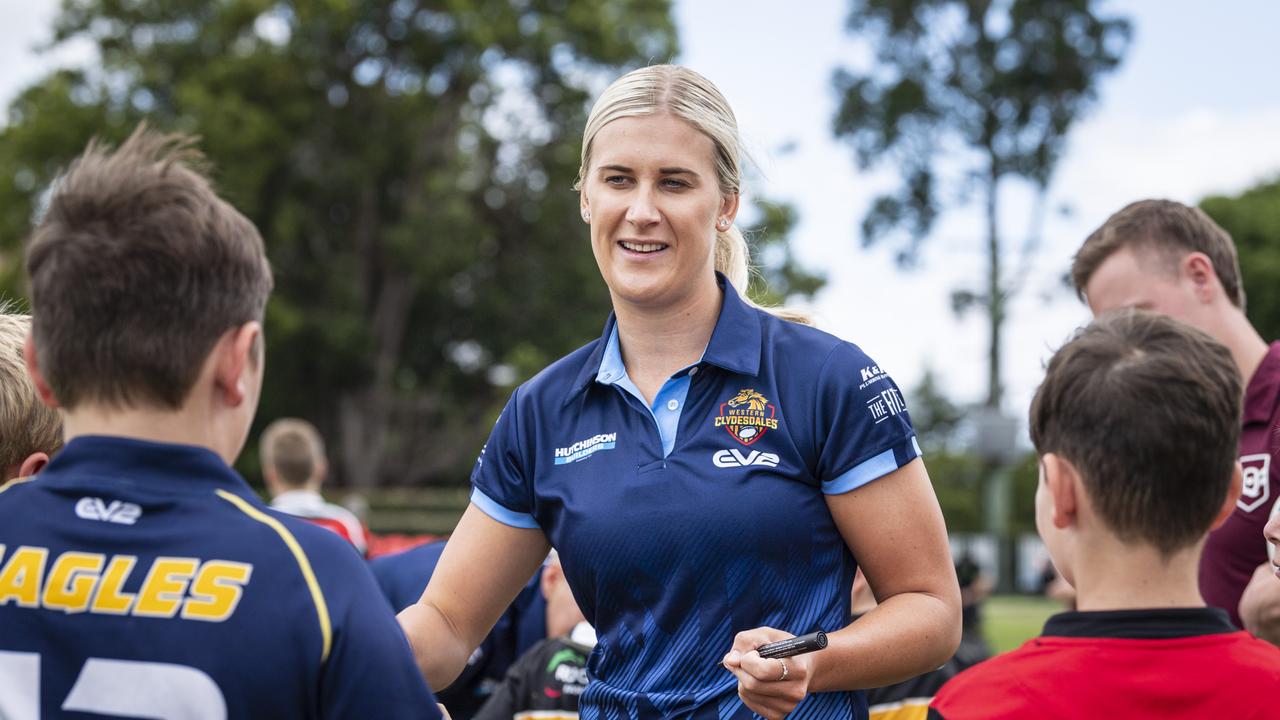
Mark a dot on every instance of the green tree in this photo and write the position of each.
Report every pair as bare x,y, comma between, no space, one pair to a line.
1253,219
779,274
409,164
936,418
988,87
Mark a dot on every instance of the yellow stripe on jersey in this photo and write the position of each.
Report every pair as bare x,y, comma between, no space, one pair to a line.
16,481
326,630
908,709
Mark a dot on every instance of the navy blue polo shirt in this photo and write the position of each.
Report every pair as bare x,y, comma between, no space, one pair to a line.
684,522
141,579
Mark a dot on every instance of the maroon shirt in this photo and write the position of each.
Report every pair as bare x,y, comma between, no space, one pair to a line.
1236,549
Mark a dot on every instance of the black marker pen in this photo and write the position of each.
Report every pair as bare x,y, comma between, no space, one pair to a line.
794,646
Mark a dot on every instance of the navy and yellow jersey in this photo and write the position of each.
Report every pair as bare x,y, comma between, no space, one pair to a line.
140,579
404,575
683,522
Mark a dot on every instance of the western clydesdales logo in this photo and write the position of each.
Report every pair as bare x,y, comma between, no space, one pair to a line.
747,416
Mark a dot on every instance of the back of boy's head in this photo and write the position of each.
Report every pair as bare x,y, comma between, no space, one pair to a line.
1147,409
293,450
27,425
137,269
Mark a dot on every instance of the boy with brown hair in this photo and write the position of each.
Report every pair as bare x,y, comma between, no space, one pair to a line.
30,431
1173,259
140,576
1136,425
293,468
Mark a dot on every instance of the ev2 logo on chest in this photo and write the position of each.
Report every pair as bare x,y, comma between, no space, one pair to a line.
733,457
123,513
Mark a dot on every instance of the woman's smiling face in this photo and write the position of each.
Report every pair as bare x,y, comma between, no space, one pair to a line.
654,202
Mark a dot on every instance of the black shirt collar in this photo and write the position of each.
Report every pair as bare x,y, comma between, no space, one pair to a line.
1153,624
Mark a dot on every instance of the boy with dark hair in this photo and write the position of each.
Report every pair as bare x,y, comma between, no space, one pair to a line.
30,431
1136,425
293,468
140,576
1173,259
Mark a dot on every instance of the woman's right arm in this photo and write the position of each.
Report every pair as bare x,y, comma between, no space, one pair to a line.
483,568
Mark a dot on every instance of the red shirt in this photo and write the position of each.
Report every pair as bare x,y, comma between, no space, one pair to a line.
1158,664
1236,549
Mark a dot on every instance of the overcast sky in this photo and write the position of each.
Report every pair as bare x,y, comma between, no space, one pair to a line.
1193,111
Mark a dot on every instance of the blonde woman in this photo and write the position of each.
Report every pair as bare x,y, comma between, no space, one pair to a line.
709,470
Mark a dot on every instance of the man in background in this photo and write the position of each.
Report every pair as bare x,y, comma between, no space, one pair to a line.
294,467
1163,256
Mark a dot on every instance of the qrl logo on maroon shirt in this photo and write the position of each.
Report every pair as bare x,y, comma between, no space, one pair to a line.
1257,481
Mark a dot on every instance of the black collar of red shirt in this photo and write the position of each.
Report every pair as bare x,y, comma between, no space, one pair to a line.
1153,624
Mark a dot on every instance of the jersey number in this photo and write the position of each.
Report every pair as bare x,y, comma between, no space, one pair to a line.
118,688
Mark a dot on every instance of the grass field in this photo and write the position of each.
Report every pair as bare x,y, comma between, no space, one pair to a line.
1010,620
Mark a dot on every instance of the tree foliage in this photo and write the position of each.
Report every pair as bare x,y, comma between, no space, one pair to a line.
779,274
1253,220
409,164
989,87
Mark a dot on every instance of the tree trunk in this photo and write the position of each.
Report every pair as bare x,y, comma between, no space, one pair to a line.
995,290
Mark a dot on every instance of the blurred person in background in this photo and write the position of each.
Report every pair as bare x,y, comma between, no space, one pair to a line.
708,470
30,431
909,699
975,586
547,680
404,575
1136,425
1163,256
294,467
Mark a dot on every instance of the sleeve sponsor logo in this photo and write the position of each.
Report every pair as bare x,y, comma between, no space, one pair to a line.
747,416
870,375
76,582
584,449
885,405
1257,481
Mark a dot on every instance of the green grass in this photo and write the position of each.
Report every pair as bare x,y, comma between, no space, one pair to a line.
1010,620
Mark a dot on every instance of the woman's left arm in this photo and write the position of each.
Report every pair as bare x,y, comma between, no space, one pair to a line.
894,528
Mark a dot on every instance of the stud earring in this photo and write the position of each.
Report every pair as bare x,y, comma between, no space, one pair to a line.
723,224
586,216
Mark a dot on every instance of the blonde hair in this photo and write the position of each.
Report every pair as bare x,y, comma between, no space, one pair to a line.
292,448
27,425
692,98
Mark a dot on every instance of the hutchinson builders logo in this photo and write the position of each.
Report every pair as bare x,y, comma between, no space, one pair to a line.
584,449
747,416
1257,481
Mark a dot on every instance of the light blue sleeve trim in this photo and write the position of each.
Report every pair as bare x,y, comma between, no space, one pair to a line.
491,508
871,469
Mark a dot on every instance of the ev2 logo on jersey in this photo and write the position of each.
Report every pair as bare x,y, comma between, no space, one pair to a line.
733,457
92,508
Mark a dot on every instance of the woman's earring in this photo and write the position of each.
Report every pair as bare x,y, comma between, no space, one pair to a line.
723,225
586,216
